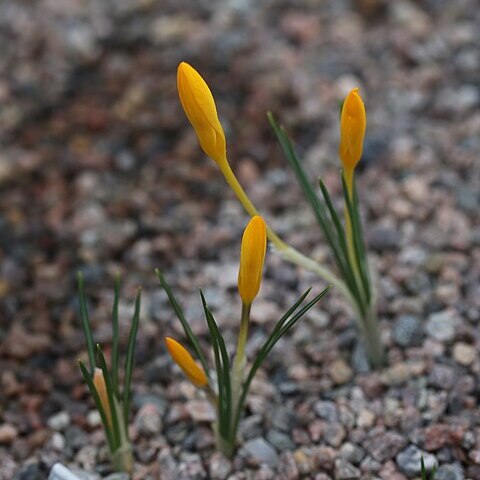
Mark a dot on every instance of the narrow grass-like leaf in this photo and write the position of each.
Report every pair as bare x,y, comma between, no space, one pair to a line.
129,359
348,274
277,333
93,391
223,373
186,327
111,397
86,322
309,192
357,243
115,342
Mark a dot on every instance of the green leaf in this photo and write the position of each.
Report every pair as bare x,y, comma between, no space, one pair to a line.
222,363
93,391
309,192
186,327
111,397
86,322
131,356
358,244
349,276
283,325
115,337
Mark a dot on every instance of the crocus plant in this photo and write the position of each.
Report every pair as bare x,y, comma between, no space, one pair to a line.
345,239
112,403
228,387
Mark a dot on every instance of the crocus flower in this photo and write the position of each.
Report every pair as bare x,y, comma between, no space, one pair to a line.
252,256
99,382
199,105
185,361
353,122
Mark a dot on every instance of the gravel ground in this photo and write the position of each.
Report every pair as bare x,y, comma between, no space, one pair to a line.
100,171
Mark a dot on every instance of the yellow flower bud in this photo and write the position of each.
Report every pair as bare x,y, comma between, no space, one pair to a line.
199,105
252,256
353,122
185,361
100,387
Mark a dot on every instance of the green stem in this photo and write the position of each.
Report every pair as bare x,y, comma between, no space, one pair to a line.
122,457
285,250
238,367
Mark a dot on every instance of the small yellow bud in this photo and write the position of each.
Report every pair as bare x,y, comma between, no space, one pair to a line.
252,256
353,122
185,361
199,105
99,382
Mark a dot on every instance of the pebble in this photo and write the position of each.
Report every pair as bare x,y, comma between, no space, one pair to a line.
383,446
280,440
258,451
345,470
441,326
8,433
340,372
326,410
352,453
219,466
201,410
333,434
464,354
452,471
191,468
148,420
409,460
284,419
60,421
407,331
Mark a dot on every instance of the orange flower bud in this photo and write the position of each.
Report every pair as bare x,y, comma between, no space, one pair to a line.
99,382
252,256
353,122
185,361
199,105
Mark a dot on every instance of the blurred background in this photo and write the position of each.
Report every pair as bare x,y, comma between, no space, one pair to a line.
100,172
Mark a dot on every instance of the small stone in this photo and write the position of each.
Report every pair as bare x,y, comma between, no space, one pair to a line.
288,466
441,326
383,446
407,331
219,466
352,453
464,354
340,372
258,451
280,440
409,460
8,433
30,471
382,238
117,476
57,442
365,418
284,419
201,410
148,420
60,421
333,434
451,471
191,468
326,410
345,470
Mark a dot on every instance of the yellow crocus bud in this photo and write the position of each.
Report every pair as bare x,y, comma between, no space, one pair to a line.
199,105
252,256
185,361
100,387
353,122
